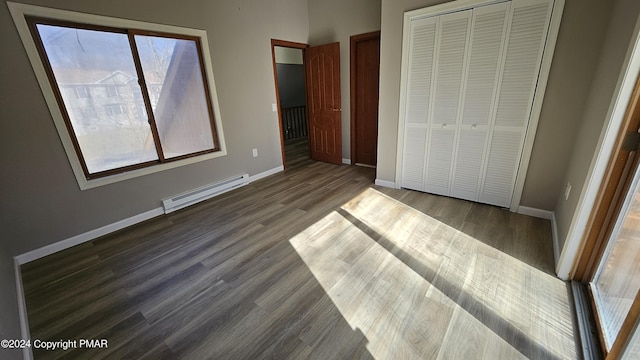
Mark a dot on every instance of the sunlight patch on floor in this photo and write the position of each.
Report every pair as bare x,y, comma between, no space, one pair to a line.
418,288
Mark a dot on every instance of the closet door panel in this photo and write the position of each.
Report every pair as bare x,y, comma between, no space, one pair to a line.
501,168
452,40
420,74
452,37
420,70
526,41
487,39
488,30
440,156
469,157
523,55
415,142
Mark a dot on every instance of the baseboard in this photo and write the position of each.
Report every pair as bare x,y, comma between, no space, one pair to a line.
346,161
539,213
549,215
88,236
385,183
107,229
22,310
264,174
556,243
366,165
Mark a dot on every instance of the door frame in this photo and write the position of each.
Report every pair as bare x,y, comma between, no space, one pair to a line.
612,194
575,241
288,44
354,40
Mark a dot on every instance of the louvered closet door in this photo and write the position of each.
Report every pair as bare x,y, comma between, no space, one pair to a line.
522,59
488,29
420,70
470,86
452,35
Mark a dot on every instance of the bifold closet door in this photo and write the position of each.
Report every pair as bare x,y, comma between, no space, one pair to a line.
435,76
486,44
450,60
523,56
419,82
470,82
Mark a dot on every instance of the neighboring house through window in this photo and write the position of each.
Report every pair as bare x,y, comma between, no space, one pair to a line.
131,97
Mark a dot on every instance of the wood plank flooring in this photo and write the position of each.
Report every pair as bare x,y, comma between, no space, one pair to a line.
296,151
313,263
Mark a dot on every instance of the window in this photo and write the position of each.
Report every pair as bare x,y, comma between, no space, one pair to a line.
128,98
81,92
167,68
88,113
111,91
114,109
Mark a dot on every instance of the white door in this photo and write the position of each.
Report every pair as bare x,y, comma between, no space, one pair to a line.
470,82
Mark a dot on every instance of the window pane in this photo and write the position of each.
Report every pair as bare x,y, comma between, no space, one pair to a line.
632,350
618,279
174,80
99,86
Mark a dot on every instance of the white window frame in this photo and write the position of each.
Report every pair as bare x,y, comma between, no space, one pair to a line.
19,11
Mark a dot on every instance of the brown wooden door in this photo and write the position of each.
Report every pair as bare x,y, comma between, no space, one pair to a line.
365,73
322,76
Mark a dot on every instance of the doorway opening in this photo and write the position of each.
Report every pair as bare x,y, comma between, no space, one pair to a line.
288,70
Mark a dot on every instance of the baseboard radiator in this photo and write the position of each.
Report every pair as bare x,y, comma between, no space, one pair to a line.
195,196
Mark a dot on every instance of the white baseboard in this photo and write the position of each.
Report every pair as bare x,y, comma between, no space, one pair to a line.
88,236
264,174
539,213
22,310
107,229
346,161
79,239
385,183
556,240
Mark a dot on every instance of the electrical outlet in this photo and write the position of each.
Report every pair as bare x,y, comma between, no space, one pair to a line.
254,152
567,191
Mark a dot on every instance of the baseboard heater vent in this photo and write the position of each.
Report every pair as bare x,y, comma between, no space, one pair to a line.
203,193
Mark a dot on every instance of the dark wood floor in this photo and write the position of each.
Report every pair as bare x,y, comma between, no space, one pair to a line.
296,151
317,263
